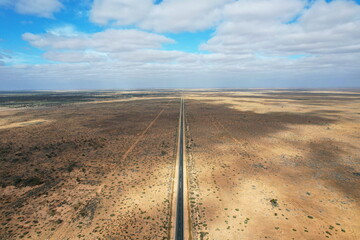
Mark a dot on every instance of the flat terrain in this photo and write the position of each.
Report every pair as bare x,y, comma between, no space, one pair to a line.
261,164
98,170
274,164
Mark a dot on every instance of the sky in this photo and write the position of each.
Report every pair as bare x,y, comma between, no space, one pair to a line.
136,44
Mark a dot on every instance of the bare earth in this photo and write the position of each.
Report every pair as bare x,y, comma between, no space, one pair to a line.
88,171
262,164
274,165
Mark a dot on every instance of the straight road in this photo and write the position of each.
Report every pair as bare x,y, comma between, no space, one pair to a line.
179,228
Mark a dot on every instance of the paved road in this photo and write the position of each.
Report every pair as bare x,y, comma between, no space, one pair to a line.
179,234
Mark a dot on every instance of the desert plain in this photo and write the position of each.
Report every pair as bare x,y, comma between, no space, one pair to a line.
261,164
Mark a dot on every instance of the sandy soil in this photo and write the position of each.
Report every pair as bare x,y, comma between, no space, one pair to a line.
88,171
274,164
23,124
262,164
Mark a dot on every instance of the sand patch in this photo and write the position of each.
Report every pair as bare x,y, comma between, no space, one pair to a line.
24,124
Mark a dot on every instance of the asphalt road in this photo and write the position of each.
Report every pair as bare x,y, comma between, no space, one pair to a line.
179,233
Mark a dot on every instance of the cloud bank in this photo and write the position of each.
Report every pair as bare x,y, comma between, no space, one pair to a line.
41,8
252,41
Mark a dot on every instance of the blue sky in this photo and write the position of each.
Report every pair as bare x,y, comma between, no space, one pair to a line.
67,44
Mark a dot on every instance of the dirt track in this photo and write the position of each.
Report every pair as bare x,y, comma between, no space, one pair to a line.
93,171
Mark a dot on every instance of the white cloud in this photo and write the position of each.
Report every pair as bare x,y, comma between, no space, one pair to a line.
324,28
111,40
76,57
253,39
124,12
148,56
246,28
41,8
184,15
249,73
66,44
337,14
65,30
169,16
262,10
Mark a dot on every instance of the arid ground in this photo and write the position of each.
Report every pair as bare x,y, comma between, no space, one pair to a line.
274,164
262,164
99,170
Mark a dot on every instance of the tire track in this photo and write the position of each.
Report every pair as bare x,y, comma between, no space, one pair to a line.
63,231
138,139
